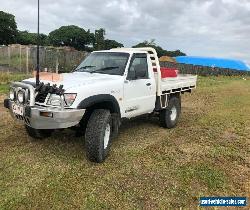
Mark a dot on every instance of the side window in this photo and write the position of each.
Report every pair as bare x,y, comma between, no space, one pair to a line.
139,67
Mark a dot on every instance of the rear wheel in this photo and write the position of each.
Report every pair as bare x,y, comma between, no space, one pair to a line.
98,135
169,117
38,133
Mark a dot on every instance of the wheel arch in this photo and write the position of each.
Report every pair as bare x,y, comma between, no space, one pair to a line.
102,101
176,95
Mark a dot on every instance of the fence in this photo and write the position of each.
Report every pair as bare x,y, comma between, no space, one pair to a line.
20,58
204,70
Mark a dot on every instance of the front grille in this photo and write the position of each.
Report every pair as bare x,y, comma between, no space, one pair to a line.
41,97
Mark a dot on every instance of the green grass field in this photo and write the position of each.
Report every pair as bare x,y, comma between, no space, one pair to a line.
6,78
149,167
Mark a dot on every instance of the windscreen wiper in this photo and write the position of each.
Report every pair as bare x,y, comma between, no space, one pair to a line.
105,69
84,67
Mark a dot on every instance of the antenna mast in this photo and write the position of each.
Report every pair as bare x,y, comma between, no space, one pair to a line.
38,43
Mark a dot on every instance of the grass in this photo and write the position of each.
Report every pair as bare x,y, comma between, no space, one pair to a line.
6,78
149,167
14,60
210,176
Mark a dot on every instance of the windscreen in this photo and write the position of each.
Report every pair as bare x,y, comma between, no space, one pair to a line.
113,63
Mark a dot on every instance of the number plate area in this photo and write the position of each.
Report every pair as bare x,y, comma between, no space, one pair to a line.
17,109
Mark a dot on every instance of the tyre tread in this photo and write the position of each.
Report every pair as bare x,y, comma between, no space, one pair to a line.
95,128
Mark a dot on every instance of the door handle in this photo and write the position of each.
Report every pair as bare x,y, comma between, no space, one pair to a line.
148,84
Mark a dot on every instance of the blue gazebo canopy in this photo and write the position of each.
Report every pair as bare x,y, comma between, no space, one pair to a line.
214,62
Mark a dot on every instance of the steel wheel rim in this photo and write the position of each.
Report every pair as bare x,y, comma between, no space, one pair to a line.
173,114
106,136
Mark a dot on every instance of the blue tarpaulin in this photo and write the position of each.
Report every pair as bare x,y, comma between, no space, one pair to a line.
214,62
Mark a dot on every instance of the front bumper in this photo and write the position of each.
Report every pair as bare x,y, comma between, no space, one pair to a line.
34,116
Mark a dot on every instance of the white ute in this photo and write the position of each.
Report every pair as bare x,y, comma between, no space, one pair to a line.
106,87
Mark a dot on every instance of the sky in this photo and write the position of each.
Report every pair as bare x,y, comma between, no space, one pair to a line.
213,28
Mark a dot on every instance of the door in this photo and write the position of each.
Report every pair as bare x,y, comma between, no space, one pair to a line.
140,92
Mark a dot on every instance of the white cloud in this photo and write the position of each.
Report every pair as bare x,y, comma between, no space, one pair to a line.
205,28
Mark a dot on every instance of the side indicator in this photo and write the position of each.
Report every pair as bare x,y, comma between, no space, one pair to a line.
46,114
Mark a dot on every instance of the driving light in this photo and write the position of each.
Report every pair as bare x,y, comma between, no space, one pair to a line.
69,98
20,96
12,94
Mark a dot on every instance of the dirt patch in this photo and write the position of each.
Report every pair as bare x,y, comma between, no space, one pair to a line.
230,136
2,97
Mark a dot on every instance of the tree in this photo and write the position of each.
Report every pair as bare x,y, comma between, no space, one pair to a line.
8,28
80,39
99,43
175,53
25,38
160,51
72,36
152,44
109,44
104,44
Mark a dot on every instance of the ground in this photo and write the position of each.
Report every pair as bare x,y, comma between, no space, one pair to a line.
149,167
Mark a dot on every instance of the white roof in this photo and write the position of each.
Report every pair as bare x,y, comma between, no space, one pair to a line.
125,50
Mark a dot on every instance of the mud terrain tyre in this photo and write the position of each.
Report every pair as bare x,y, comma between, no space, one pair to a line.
98,135
169,117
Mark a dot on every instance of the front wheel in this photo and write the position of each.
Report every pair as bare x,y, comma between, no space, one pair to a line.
169,117
98,135
38,133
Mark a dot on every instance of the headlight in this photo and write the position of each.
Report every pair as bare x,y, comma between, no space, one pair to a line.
20,96
12,94
54,100
69,98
